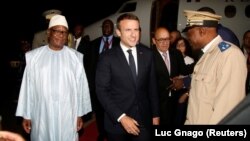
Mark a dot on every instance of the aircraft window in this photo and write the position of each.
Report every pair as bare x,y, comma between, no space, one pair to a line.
129,7
230,11
247,11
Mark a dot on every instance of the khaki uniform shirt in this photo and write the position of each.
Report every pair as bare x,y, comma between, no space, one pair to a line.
218,83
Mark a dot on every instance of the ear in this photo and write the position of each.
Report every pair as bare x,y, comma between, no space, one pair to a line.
118,32
202,31
48,32
154,41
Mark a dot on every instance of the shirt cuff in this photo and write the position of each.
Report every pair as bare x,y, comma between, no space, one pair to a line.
121,117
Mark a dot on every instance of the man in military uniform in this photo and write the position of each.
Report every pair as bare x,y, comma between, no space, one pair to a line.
218,80
41,39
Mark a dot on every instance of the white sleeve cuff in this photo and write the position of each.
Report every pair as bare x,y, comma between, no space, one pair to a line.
121,117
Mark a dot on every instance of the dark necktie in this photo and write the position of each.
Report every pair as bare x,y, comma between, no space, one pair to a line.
132,63
106,44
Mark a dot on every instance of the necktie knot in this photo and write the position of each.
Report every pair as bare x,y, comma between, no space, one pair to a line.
129,51
165,55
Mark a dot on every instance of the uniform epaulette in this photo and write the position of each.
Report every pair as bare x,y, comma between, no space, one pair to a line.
224,46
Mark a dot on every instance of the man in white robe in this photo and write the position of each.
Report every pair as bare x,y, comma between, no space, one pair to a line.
54,94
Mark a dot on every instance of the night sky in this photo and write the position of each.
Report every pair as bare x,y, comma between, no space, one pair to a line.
28,18
23,18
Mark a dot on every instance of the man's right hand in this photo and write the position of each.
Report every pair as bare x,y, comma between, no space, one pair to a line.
27,125
130,125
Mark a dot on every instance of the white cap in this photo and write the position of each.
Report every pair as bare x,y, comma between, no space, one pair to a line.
58,20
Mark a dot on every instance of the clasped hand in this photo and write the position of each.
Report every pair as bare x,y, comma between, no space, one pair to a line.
177,83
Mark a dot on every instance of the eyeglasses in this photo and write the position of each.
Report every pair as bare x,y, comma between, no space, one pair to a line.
59,32
161,40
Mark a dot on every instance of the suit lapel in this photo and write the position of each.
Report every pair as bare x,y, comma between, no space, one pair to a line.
97,46
124,63
140,62
172,61
162,64
81,47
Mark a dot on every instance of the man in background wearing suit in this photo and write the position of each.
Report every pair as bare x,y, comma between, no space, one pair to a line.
81,43
126,85
169,64
98,46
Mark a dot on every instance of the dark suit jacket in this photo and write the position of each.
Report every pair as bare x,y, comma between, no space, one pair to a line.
167,103
95,46
84,48
83,45
119,93
92,56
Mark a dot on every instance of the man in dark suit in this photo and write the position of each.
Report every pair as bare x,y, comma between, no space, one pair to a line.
98,45
169,90
81,43
108,38
126,85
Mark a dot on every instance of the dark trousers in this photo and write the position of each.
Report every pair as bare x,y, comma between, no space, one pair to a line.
167,110
181,112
